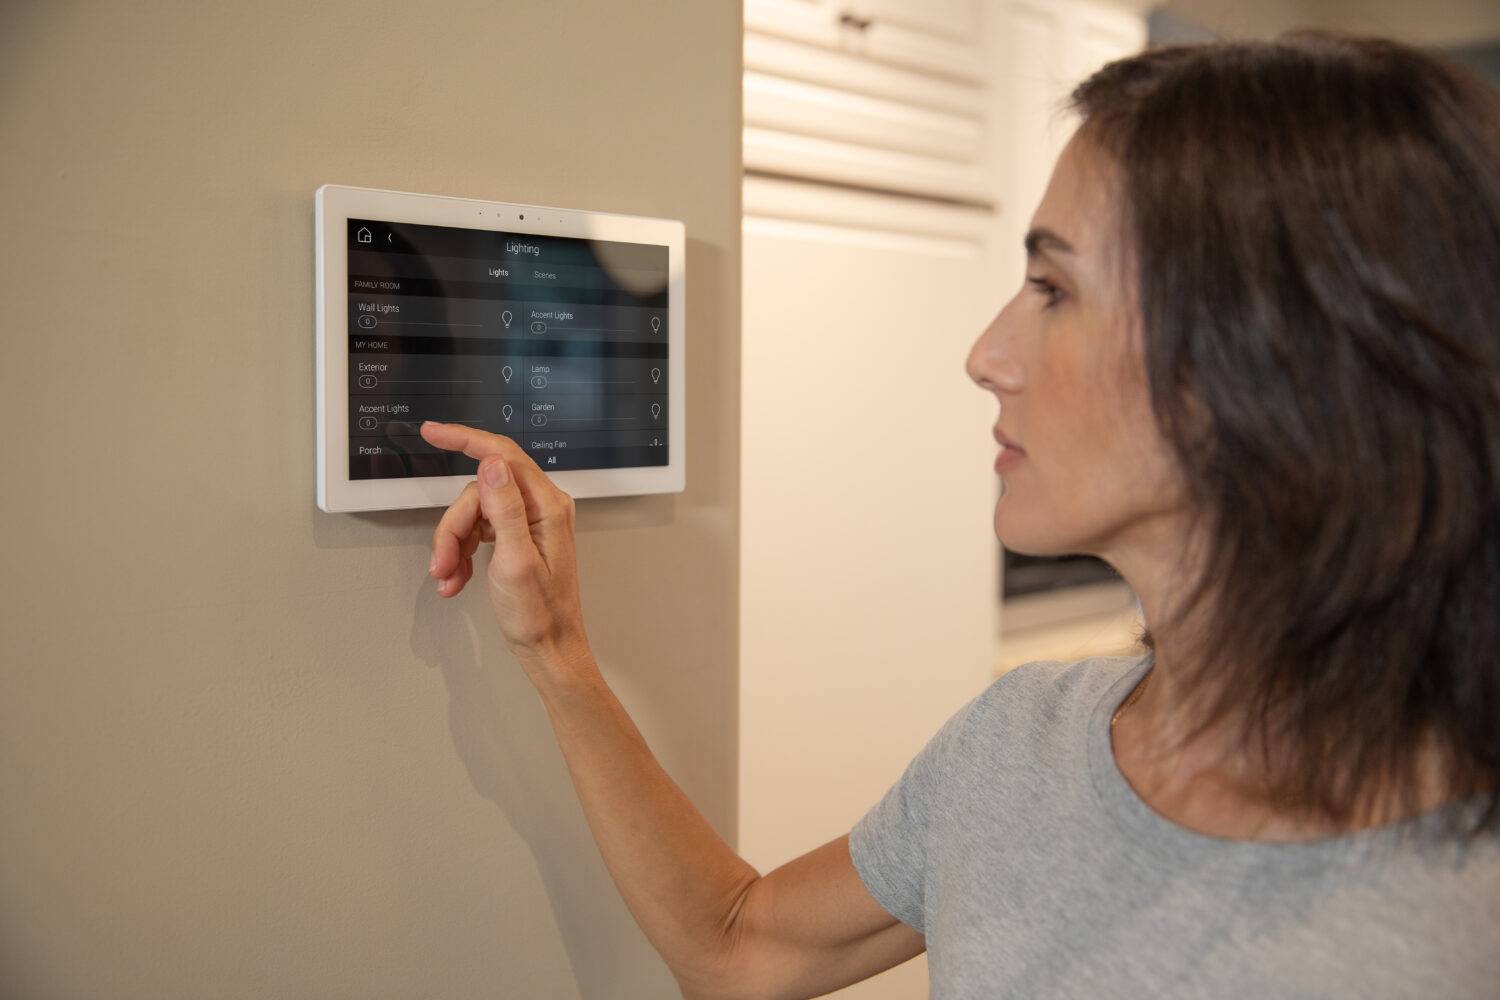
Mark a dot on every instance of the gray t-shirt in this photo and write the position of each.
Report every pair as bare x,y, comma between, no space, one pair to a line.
1017,847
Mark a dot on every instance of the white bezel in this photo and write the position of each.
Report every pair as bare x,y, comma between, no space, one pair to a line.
335,205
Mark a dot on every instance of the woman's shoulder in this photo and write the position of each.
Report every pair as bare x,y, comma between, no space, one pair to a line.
1060,684
1045,701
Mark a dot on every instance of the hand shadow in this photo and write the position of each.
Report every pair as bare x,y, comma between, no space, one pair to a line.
505,742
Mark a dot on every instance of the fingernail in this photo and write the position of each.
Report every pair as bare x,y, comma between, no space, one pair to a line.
432,568
495,473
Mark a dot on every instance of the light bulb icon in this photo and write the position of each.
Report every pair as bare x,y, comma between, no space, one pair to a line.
505,318
506,411
655,324
655,375
506,373
655,411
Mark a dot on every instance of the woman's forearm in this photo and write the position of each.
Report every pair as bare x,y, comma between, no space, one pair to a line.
683,884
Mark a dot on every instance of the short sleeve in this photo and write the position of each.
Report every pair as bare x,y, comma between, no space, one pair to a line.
889,844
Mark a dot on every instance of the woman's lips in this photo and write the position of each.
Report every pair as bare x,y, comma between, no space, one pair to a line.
1010,454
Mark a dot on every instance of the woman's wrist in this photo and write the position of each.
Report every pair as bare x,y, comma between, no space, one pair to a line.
560,666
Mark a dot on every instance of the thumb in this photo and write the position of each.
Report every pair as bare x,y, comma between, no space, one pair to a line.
502,505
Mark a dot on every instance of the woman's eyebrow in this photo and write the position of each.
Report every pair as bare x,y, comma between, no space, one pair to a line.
1042,240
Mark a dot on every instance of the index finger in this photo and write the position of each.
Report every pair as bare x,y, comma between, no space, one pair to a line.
480,444
470,440
539,492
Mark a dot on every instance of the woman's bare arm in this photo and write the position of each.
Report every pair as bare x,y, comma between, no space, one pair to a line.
723,929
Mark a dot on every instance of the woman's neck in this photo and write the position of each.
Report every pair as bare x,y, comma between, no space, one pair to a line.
1213,778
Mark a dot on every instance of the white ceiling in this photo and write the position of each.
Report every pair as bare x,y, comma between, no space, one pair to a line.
1421,22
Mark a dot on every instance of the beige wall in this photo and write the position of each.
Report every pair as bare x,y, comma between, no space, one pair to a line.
245,751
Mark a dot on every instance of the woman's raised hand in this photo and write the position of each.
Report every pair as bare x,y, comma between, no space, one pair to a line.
807,928
533,577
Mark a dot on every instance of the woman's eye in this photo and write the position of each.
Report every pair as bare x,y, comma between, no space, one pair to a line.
1049,292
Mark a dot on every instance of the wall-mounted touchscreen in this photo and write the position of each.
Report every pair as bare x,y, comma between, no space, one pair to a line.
552,327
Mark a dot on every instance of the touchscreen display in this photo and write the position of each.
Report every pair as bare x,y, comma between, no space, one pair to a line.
559,343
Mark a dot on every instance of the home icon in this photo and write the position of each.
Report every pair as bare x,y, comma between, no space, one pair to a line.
363,236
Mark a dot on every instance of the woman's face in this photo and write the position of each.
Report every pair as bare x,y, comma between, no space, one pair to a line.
1084,467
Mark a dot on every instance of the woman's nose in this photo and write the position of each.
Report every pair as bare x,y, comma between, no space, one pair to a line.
993,362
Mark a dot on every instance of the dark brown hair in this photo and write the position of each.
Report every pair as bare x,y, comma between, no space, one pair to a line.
1315,231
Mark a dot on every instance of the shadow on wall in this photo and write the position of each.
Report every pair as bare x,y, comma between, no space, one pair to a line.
502,735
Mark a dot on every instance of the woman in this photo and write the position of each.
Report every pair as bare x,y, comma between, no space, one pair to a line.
1255,367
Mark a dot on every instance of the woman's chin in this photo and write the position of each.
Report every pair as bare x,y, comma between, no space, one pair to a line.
1024,536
